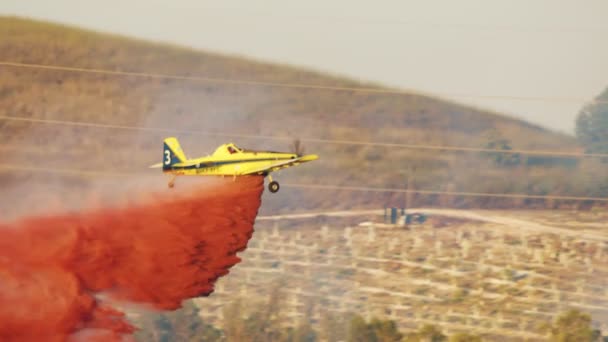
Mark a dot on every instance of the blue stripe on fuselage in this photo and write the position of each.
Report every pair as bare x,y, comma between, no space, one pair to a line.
226,162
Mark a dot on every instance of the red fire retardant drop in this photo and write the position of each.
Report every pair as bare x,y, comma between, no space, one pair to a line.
168,249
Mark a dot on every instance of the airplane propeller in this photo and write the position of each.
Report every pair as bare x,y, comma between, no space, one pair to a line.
297,147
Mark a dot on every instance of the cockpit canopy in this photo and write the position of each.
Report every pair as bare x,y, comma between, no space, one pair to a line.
232,148
228,149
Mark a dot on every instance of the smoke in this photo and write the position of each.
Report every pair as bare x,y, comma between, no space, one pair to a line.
168,247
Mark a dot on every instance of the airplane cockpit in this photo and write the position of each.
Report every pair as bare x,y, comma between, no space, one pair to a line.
228,149
232,149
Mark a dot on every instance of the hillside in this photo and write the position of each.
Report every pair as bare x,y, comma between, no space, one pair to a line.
254,110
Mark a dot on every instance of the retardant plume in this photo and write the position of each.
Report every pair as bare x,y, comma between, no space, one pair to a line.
171,247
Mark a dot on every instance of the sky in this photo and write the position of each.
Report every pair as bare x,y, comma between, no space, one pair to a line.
539,60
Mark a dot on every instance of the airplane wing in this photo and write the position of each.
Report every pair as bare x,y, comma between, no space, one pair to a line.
280,165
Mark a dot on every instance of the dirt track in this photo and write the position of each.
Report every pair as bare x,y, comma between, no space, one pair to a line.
484,216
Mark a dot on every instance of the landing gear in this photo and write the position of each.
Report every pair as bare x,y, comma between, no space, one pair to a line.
273,186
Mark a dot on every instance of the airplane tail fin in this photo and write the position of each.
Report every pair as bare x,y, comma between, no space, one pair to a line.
172,153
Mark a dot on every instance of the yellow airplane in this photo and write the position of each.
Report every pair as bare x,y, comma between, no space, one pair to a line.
228,160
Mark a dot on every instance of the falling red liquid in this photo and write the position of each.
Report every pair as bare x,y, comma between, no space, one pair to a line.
171,248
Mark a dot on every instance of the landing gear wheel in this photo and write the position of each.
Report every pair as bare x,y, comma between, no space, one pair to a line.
172,182
273,186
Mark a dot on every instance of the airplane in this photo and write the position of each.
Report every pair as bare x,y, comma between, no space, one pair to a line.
228,160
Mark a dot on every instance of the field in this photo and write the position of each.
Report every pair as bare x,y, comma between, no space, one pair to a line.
500,274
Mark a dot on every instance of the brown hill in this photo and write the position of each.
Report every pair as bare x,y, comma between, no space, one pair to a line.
220,107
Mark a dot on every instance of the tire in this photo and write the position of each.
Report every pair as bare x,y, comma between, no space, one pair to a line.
273,186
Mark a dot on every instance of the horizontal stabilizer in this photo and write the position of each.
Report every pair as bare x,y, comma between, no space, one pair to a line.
156,166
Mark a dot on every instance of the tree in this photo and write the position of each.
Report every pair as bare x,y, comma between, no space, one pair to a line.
234,323
592,125
573,326
259,321
303,333
359,330
464,337
375,331
495,141
184,325
333,327
428,333
385,330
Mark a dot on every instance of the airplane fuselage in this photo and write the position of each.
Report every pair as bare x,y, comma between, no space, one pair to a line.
227,160
231,165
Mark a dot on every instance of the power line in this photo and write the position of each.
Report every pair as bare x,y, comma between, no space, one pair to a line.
308,140
288,85
10,167
75,172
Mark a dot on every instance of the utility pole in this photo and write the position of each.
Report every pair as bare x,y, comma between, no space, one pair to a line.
523,176
410,188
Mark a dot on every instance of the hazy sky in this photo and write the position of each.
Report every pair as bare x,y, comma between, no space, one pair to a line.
555,50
